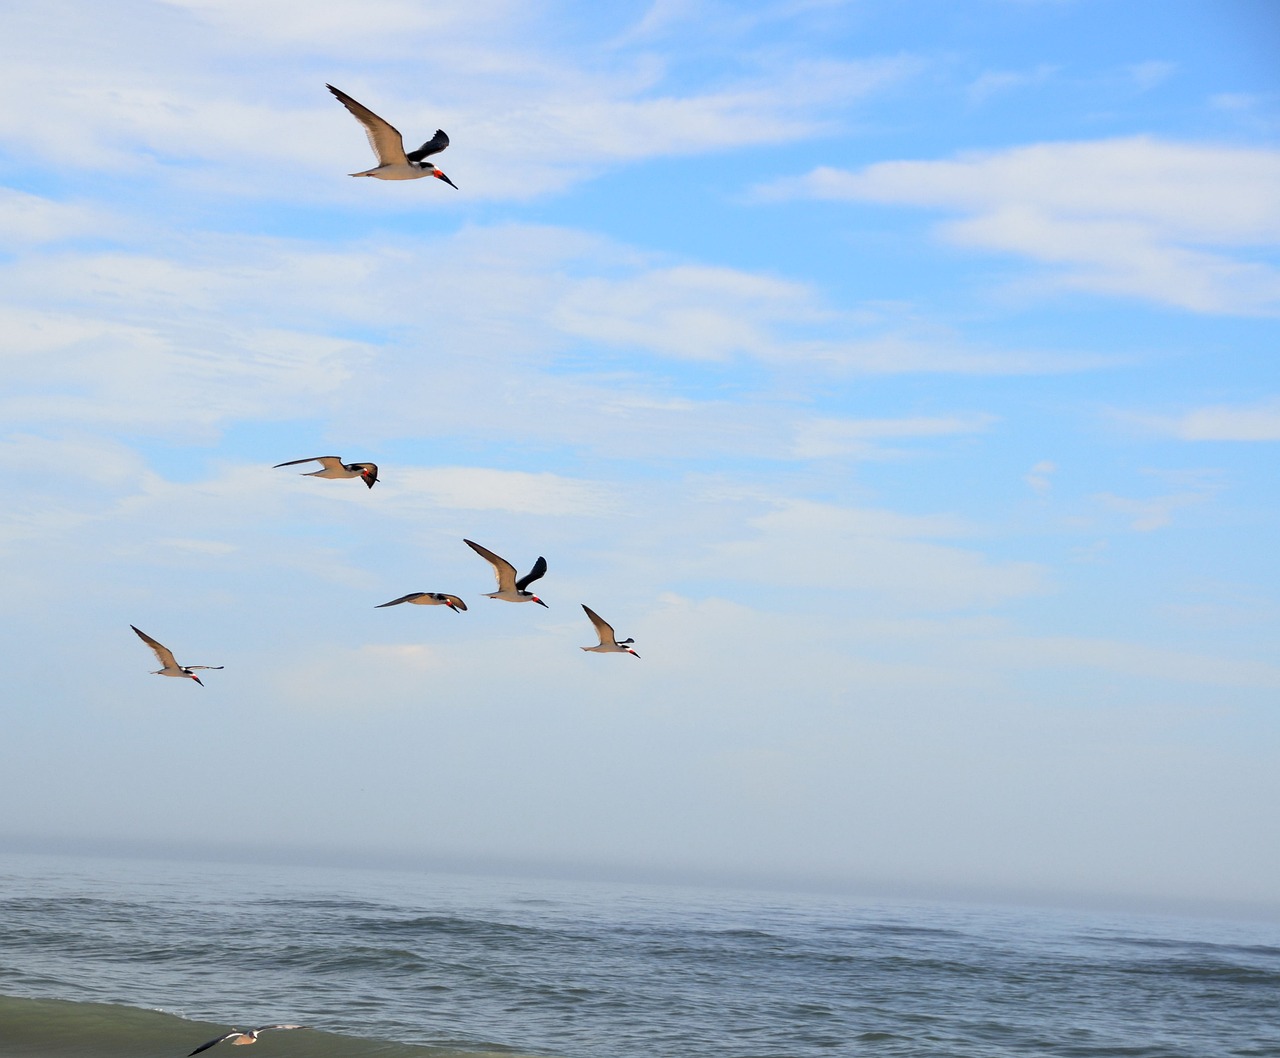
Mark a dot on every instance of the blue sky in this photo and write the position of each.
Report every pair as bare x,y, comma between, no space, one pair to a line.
901,377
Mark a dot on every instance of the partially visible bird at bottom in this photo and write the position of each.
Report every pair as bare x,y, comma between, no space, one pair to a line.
428,598
165,656
609,643
241,1039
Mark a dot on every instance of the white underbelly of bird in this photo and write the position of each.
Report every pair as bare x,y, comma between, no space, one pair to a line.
395,172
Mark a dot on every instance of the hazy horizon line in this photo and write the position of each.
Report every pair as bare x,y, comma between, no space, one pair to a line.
250,854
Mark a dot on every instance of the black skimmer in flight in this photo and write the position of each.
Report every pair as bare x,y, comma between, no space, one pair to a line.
428,598
165,657
510,589
334,467
240,1039
388,145
608,641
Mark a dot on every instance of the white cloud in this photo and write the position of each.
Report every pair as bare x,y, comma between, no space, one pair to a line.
994,82
659,18
337,678
85,460
536,331
1138,660
1140,178
891,558
484,489
688,311
1257,422
216,548
83,370
27,219
370,28
910,351
1039,476
1154,512
695,312
1127,216
1147,75
823,438
204,106
1124,258
1234,101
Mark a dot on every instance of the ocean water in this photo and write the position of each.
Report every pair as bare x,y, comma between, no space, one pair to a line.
140,958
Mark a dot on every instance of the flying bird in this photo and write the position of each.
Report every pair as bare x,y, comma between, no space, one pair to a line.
428,598
609,643
165,657
334,467
510,589
388,145
241,1039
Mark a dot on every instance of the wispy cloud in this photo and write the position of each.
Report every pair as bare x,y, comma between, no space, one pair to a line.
1147,514
1147,75
1139,660
996,82
531,329
373,27
27,219
898,560
1151,513
485,489
864,438
687,311
1040,476
1221,422
198,113
1138,217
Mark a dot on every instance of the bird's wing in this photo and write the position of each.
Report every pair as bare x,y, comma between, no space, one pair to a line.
451,600
403,598
384,138
206,1046
206,666
328,462
539,569
435,145
263,1028
502,569
163,653
603,629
